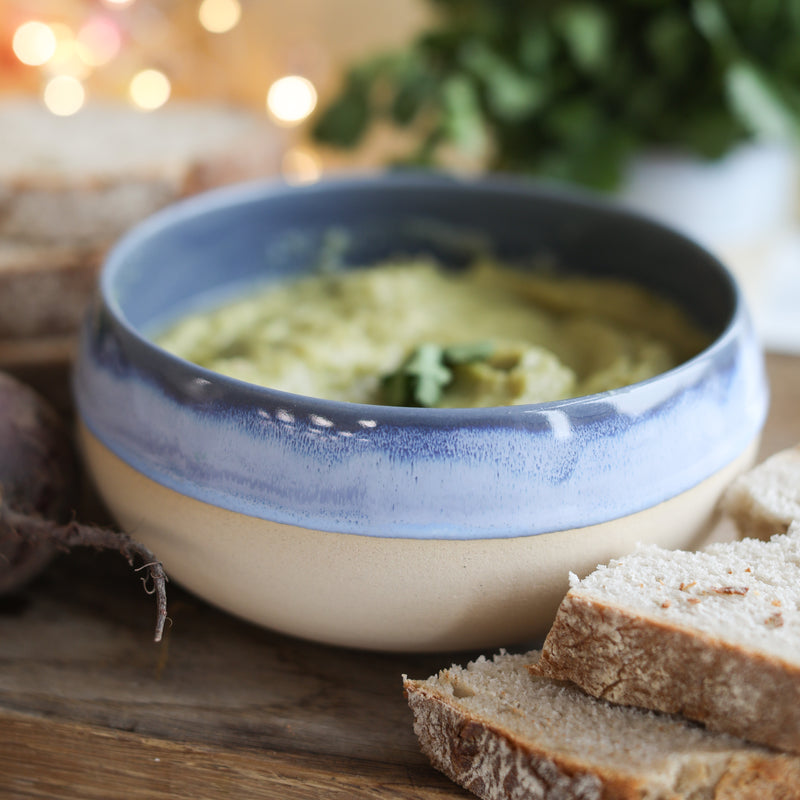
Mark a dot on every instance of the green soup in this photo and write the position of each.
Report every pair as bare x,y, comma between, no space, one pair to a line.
413,333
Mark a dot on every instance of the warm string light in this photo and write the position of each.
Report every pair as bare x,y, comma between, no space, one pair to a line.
64,95
98,41
291,99
300,166
66,59
149,89
34,43
219,16
68,55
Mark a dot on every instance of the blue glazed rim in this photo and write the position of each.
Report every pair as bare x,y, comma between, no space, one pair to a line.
408,472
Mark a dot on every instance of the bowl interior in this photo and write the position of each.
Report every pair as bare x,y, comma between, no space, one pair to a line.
205,249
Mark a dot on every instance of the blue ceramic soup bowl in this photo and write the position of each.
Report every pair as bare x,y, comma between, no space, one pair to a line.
393,527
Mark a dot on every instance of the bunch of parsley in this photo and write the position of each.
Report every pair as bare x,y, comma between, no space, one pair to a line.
570,89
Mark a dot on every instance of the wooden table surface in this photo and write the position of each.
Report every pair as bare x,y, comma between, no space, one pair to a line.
90,707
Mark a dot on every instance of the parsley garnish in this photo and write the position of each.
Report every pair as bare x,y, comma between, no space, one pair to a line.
571,89
423,377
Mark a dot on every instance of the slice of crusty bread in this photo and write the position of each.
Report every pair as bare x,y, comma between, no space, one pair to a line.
712,635
766,500
502,733
86,178
44,288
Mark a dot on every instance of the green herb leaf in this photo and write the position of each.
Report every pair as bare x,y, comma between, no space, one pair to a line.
587,31
712,135
576,119
511,94
424,376
415,85
536,47
463,117
344,122
711,21
758,104
669,37
570,89
428,374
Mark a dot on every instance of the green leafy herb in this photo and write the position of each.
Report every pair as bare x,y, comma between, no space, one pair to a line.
347,120
423,377
572,88
587,32
758,103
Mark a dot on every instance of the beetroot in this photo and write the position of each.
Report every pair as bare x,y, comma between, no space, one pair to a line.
38,493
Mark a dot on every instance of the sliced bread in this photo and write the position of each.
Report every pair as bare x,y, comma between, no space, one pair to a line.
86,178
712,635
765,500
500,732
44,288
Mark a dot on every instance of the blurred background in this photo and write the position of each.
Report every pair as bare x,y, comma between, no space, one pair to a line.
688,111
281,60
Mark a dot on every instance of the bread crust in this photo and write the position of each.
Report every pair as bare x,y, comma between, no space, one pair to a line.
766,500
94,210
494,764
44,290
487,760
628,658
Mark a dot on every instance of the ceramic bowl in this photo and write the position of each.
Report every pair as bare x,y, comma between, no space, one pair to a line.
402,528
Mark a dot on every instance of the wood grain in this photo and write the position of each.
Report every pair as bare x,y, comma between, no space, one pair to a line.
38,760
90,707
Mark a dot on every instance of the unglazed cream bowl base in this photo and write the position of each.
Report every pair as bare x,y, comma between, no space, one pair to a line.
384,593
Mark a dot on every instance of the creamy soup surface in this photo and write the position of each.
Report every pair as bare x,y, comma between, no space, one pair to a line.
412,333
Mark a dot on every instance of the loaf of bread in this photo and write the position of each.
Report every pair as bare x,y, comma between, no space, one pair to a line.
85,179
502,733
712,635
766,500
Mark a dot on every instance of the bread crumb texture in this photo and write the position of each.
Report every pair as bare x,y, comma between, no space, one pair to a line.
502,733
713,636
46,150
766,500
86,178
745,592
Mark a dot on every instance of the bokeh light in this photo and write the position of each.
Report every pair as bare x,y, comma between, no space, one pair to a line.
301,165
149,89
66,60
219,16
34,43
98,41
64,95
291,99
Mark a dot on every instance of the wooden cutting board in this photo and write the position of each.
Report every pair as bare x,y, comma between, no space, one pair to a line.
90,707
